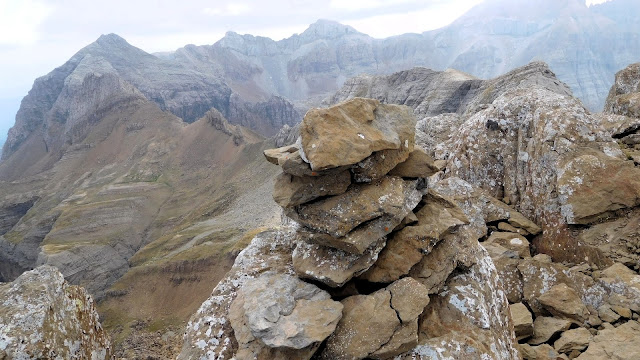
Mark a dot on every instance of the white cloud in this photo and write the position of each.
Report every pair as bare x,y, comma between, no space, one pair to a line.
436,16
231,9
354,5
20,19
595,2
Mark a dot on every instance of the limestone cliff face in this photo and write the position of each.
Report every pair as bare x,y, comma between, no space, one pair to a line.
588,44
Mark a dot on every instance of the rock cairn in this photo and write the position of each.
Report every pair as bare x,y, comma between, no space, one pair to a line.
379,264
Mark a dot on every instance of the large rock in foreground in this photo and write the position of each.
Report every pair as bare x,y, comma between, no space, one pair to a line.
43,317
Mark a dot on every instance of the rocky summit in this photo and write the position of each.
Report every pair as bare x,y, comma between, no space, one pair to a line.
383,266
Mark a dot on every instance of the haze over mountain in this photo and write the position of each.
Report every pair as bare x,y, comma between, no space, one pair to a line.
583,45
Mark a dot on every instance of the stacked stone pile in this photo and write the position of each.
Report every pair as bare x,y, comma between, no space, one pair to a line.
379,263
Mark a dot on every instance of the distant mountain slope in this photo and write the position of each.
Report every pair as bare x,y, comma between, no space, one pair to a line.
583,45
57,99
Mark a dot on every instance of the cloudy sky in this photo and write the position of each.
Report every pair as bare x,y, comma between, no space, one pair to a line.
38,35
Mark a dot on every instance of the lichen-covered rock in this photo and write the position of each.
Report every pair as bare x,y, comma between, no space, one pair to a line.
43,317
564,302
290,190
283,311
624,96
331,266
473,311
408,246
528,147
380,325
349,132
387,201
621,343
209,333
539,277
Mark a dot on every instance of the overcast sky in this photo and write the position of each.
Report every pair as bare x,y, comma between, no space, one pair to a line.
38,35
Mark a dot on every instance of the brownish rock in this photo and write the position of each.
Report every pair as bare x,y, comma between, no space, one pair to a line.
506,262
382,204
331,266
274,156
522,320
406,247
564,302
511,241
621,343
380,325
351,131
408,298
544,328
593,185
574,339
418,164
292,190
540,352
378,165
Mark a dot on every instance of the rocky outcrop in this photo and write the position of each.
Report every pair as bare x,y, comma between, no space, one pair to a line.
624,96
43,317
353,244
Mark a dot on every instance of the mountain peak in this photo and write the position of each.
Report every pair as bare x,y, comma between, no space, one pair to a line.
111,39
328,29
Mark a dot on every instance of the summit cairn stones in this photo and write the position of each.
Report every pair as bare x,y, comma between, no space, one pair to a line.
340,192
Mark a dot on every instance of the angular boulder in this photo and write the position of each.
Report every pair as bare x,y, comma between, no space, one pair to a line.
564,302
380,325
43,317
290,190
331,266
351,131
283,311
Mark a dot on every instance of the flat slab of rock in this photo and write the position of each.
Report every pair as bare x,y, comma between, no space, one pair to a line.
564,302
284,311
574,339
512,241
621,343
544,328
418,164
351,131
408,246
338,215
292,190
380,325
331,266
43,317
378,164
522,320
